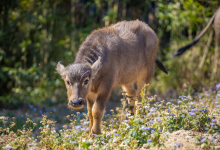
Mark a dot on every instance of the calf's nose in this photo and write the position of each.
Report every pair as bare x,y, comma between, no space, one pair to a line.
76,102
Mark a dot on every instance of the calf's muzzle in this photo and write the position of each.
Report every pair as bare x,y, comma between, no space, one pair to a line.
76,103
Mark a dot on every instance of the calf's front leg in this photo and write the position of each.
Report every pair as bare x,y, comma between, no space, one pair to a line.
89,107
98,110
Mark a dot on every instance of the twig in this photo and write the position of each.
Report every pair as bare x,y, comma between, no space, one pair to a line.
215,58
206,50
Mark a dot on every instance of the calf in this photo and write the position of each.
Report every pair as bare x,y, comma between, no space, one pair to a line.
123,54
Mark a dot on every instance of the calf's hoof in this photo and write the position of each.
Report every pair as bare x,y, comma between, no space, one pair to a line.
92,134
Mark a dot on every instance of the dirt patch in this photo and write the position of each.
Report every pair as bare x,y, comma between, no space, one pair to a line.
189,140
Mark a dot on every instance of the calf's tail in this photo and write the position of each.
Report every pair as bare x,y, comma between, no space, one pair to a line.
161,66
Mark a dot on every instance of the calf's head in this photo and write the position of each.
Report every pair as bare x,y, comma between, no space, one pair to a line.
78,78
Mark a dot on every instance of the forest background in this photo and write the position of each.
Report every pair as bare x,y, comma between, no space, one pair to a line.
36,34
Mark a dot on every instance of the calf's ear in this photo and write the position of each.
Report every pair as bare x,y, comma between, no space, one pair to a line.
60,68
96,67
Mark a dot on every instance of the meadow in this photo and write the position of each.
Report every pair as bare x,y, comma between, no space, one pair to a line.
188,122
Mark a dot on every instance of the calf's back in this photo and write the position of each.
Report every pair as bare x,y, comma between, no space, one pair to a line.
126,49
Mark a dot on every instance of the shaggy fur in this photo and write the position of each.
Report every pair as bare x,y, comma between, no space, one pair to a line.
123,55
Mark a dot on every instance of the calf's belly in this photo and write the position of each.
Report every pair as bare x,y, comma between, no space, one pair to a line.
127,76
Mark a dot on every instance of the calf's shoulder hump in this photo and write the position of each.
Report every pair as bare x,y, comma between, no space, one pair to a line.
97,43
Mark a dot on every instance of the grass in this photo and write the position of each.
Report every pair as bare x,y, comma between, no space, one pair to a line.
150,127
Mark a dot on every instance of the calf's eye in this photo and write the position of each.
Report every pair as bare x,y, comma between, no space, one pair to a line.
68,83
86,81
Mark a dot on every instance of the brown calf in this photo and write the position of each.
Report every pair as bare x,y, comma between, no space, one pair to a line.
123,54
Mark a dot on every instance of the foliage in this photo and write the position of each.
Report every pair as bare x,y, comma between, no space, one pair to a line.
182,21
36,34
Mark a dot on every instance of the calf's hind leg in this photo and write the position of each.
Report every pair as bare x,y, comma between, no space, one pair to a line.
130,90
144,80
